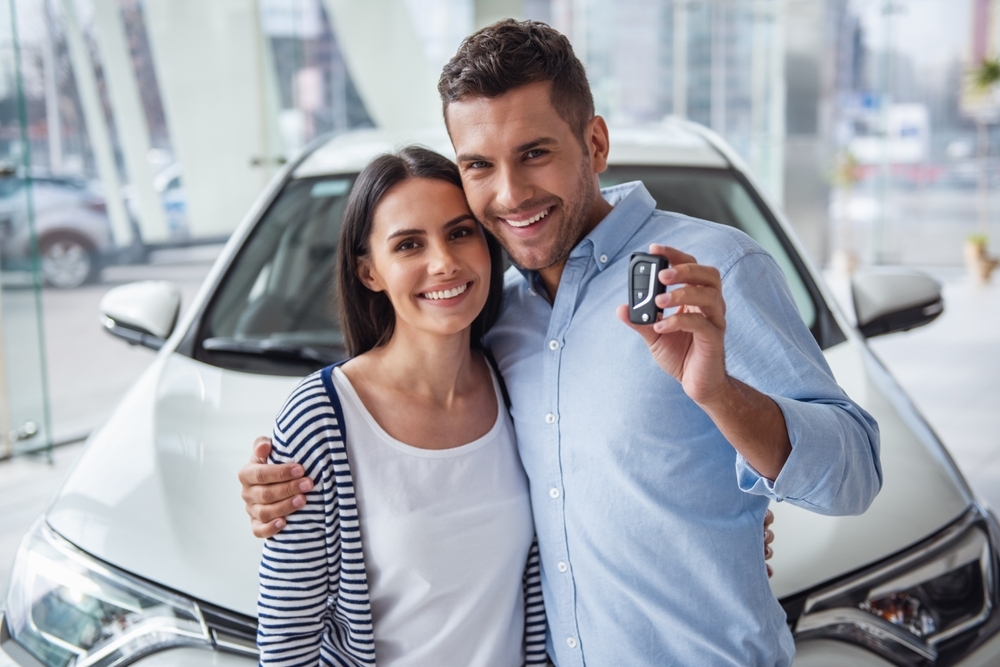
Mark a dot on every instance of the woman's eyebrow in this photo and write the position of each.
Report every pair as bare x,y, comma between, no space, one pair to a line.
420,232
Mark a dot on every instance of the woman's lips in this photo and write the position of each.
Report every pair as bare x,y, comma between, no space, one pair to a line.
446,294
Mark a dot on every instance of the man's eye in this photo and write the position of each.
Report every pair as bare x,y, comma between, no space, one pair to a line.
479,164
535,152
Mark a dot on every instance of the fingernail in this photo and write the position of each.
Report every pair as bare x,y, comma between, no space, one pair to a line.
667,274
298,501
298,471
279,524
305,485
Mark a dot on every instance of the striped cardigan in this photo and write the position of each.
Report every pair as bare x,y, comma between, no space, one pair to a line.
313,606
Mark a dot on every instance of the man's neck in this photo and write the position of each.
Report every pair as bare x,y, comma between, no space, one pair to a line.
551,275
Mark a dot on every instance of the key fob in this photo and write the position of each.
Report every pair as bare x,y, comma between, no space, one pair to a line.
643,286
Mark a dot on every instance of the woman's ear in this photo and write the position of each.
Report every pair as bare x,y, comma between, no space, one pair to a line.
367,275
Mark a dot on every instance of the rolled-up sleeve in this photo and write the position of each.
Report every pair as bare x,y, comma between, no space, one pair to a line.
834,465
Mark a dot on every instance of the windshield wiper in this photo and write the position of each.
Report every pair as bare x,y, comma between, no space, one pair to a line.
272,349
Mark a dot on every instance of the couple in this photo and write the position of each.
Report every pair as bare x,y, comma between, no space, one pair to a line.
650,457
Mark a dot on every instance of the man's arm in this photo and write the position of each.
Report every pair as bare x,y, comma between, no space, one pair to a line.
271,491
765,383
690,345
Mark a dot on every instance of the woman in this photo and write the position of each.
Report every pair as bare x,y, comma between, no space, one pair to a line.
416,548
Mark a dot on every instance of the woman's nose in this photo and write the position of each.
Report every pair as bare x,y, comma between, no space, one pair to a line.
442,259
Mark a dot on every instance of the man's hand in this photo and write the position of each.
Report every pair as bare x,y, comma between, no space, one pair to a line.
768,538
271,492
688,344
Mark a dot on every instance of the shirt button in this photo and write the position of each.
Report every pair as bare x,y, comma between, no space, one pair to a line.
554,492
571,642
604,259
561,566
553,345
550,418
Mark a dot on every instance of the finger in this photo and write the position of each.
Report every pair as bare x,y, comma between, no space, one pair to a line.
643,330
268,494
768,552
694,323
261,449
770,572
270,512
768,518
269,529
253,474
708,300
768,537
673,255
691,274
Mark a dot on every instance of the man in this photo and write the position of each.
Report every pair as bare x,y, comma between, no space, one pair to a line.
649,477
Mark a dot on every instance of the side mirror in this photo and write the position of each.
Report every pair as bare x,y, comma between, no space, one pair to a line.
142,313
894,299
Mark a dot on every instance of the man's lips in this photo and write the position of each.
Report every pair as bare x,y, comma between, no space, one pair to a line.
521,222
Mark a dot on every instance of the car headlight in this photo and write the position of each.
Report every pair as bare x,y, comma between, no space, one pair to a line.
913,609
69,610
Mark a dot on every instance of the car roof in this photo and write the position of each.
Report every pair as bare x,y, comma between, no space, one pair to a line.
672,142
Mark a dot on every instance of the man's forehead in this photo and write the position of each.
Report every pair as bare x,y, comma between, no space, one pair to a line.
504,122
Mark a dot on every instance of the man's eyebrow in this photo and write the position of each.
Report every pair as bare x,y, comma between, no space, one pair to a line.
420,232
526,146
535,143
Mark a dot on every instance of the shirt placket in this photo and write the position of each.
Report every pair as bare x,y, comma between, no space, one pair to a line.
566,638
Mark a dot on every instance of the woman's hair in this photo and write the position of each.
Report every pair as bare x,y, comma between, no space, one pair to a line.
367,317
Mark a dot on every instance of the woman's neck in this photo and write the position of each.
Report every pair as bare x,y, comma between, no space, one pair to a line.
437,367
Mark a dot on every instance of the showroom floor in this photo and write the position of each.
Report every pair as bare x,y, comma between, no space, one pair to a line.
951,369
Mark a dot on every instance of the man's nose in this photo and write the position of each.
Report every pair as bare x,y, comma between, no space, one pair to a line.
512,190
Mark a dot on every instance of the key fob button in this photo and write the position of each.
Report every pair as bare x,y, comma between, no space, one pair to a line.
640,269
638,295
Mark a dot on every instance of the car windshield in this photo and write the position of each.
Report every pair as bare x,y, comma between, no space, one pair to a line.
277,306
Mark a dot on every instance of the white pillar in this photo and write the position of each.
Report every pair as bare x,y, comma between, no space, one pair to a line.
680,58
220,100
130,119
53,128
387,63
97,127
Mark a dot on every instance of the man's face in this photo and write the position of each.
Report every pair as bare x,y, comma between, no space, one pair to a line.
527,177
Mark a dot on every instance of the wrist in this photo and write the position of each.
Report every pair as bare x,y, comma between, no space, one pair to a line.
721,399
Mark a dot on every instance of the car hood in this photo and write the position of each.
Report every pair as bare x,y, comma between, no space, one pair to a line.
922,490
156,491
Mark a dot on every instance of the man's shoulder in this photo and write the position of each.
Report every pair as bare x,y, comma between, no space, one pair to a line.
710,243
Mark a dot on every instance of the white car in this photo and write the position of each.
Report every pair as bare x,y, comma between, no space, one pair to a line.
145,556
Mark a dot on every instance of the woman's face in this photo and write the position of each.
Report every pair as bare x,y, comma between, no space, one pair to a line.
429,256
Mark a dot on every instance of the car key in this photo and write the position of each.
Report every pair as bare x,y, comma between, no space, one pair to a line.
643,286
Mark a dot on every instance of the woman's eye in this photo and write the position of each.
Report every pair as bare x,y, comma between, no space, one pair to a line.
406,245
461,232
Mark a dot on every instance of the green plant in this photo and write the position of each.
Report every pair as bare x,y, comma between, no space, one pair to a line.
987,74
978,239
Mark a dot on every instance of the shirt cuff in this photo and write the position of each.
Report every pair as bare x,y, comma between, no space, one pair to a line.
816,462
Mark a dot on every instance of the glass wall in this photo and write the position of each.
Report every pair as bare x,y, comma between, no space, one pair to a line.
24,410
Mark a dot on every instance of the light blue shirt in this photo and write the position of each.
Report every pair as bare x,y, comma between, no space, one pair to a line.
649,522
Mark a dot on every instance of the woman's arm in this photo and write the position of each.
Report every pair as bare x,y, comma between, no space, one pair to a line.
299,568
535,625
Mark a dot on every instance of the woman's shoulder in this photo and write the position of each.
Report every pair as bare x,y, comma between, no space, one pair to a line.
308,400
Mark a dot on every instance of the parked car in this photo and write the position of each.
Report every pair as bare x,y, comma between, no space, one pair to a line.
71,223
146,555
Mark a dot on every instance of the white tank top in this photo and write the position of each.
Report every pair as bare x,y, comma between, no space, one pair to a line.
445,536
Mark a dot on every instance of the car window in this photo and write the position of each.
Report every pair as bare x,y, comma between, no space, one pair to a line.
277,297
717,195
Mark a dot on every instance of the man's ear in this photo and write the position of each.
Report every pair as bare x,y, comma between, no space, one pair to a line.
598,144
367,275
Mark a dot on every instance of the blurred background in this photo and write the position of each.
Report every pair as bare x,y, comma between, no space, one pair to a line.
136,134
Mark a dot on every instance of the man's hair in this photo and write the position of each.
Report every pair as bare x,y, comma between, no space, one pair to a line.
510,54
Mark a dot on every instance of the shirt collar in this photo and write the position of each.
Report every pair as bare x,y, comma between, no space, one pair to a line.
632,205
